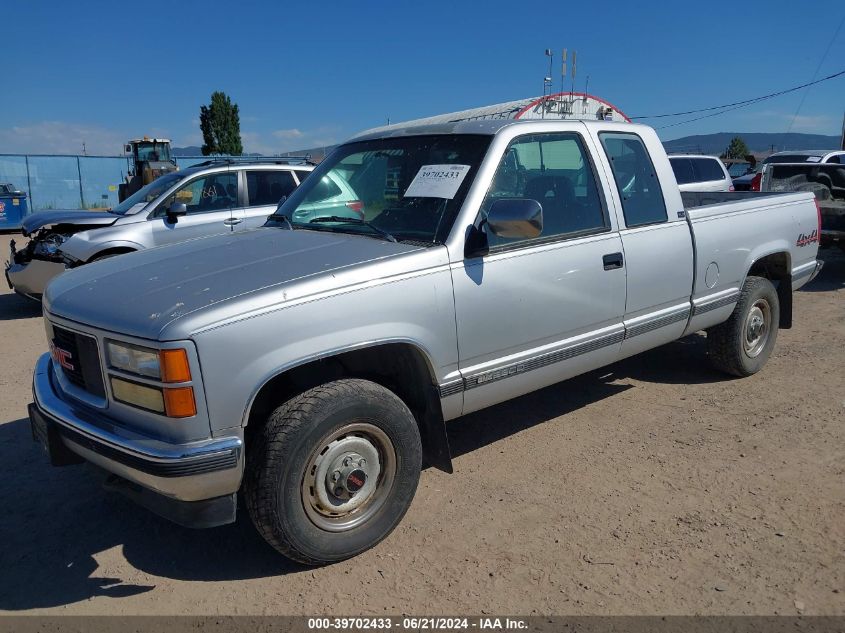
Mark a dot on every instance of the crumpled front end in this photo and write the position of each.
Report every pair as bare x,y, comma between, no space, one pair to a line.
29,270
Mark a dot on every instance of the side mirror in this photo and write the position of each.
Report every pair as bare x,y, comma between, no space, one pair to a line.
176,210
515,218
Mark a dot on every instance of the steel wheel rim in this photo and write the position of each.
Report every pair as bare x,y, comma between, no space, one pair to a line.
757,328
353,507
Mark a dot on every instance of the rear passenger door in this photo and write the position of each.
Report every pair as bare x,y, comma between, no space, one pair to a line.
264,189
657,244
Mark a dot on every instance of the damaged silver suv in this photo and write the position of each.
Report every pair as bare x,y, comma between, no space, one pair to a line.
217,196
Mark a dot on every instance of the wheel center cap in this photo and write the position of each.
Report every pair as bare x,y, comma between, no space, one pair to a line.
355,480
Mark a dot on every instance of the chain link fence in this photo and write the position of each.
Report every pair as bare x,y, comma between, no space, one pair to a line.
71,182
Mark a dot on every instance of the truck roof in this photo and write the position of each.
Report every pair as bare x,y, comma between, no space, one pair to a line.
487,126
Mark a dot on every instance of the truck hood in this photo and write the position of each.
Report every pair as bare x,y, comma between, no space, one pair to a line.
188,286
51,218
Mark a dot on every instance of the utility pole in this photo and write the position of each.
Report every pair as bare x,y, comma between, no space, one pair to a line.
842,140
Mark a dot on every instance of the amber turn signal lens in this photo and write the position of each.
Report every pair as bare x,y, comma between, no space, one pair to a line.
179,402
174,366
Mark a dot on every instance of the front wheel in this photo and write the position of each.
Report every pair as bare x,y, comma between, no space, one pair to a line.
742,344
333,471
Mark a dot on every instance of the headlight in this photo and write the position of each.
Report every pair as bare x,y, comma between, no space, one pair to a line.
135,360
50,244
165,366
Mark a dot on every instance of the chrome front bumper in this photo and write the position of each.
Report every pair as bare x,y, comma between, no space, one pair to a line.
31,279
191,472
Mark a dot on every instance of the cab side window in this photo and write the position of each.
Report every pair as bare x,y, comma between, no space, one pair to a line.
213,192
268,187
553,169
636,179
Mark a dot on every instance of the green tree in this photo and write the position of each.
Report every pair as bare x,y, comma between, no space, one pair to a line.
220,123
738,148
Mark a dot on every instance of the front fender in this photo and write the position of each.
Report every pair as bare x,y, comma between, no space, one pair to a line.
82,249
239,357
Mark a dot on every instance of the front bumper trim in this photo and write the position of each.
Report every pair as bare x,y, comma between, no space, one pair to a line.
190,472
30,279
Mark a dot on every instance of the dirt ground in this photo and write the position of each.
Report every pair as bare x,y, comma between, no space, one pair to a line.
655,485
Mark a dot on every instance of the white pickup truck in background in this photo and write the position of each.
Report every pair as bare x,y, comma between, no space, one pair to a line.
826,180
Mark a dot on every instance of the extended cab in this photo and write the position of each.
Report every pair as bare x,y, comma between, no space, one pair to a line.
312,363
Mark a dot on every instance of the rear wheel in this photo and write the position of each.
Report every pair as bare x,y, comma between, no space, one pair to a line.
333,471
742,344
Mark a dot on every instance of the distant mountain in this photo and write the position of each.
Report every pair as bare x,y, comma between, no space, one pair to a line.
192,150
758,142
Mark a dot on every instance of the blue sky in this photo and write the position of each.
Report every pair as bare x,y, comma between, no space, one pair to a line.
308,74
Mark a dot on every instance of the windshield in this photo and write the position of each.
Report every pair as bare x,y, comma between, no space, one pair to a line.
408,188
153,151
148,193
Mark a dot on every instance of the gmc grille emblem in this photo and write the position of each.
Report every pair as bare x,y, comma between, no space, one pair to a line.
61,356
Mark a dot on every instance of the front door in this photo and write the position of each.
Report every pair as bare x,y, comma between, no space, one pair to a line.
532,312
209,200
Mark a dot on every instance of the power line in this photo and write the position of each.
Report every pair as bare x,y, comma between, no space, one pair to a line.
821,61
738,104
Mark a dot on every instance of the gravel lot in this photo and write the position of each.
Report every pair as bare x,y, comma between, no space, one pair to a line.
655,485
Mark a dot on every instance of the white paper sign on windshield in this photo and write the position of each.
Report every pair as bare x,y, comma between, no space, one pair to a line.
437,181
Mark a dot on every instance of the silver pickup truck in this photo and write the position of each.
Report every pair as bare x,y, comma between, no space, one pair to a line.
312,363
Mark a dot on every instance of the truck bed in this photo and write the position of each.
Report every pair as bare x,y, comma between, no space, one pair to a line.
695,199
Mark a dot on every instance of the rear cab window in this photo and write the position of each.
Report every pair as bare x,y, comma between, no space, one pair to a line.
636,179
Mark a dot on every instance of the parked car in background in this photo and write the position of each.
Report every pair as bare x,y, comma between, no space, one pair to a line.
217,196
753,180
738,168
312,364
332,195
700,173
825,180
807,156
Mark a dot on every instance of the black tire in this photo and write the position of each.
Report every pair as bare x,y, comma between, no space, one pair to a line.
735,346
285,454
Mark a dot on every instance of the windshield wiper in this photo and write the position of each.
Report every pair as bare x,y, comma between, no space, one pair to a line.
339,218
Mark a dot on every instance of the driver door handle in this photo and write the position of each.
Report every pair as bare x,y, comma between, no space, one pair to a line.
613,261
232,221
